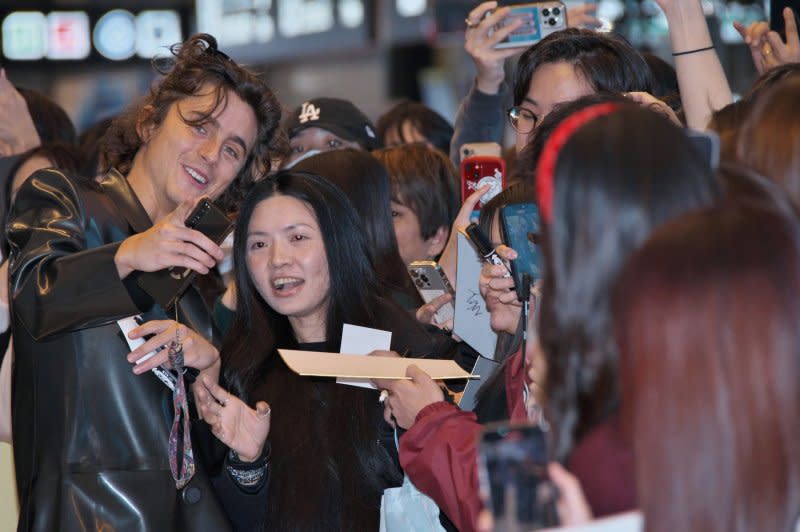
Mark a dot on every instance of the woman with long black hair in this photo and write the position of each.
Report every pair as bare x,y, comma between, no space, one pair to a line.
303,270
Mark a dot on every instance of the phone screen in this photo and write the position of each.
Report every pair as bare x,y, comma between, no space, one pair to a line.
513,477
520,223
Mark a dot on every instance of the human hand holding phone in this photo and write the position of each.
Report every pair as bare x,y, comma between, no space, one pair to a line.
449,258
532,22
480,41
169,243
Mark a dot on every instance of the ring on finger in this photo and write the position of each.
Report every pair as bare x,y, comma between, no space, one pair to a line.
471,25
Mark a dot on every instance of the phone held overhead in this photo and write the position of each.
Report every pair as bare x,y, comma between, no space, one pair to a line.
538,20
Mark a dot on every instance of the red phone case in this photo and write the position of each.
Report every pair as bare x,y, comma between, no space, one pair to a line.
480,170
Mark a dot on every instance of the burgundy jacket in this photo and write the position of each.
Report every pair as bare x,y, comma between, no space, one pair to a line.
439,453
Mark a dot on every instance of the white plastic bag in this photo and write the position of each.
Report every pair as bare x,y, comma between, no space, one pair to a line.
406,508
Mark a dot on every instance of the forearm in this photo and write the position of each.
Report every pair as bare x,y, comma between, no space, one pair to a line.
703,85
439,455
480,118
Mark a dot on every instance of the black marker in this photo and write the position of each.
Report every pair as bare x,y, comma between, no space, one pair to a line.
484,247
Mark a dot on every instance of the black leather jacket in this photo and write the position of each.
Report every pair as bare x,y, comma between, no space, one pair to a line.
90,437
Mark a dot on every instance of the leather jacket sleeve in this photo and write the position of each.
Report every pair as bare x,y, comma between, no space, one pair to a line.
59,281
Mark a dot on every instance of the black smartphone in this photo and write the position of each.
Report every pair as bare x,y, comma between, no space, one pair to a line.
776,20
520,226
512,471
166,286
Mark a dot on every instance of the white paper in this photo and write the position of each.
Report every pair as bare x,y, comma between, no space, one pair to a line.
358,340
472,321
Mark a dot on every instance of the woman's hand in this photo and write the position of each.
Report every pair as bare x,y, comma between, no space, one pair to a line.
583,16
479,44
573,510
407,397
495,284
645,99
197,351
427,313
17,131
168,243
766,47
755,37
449,259
235,424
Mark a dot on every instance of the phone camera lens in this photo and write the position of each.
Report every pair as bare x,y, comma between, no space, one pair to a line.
418,283
556,11
414,273
425,279
552,21
546,12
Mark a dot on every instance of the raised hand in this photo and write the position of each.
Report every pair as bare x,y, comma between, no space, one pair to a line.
168,243
583,16
479,44
17,131
449,258
766,47
235,424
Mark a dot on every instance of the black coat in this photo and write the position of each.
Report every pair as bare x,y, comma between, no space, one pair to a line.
90,437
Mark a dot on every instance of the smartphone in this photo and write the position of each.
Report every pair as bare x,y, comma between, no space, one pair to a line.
431,282
512,470
166,286
471,149
482,170
519,223
776,20
539,19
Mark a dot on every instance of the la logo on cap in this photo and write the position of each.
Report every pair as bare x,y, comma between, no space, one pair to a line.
308,112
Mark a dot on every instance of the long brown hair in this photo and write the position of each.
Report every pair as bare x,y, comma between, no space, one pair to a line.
707,321
195,65
769,141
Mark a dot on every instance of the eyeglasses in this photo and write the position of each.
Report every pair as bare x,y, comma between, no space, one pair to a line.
522,120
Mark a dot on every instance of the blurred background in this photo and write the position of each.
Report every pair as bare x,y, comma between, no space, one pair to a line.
92,56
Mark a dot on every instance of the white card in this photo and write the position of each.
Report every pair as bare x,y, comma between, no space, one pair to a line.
358,340
472,322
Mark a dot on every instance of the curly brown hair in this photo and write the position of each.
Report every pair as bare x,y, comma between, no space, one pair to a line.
195,64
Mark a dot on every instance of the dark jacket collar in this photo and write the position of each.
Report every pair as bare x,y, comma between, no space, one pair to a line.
116,186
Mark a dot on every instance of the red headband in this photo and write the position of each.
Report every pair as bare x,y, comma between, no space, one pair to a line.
546,168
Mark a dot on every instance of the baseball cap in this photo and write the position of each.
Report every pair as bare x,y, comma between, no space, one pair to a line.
340,117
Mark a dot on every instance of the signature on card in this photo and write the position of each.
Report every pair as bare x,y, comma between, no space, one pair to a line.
474,303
